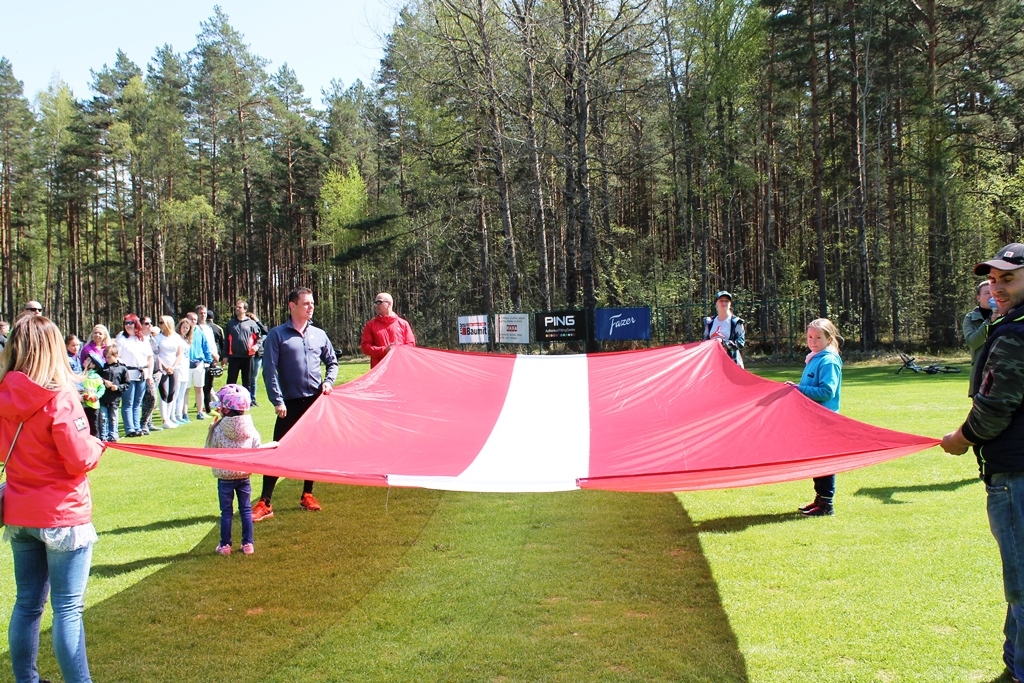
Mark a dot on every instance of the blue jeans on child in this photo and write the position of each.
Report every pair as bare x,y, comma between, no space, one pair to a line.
38,571
131,406
825,486
1006,519
108,422
228,489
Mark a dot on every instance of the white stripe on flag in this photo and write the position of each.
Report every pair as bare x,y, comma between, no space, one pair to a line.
541,439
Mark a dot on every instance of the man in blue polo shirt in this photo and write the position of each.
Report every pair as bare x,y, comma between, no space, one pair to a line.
292,354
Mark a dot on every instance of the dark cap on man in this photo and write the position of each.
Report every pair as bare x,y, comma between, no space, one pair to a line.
725,294
1010,257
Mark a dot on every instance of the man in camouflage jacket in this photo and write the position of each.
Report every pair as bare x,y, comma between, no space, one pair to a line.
995,428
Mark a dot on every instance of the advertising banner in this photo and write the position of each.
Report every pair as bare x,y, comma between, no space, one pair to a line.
473,329
622,323
512,328
561,326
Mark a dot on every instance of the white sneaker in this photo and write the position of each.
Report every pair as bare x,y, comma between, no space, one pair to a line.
170,425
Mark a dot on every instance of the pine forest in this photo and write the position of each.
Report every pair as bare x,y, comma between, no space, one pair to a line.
846,158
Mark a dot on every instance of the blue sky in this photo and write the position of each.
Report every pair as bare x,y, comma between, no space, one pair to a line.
319,39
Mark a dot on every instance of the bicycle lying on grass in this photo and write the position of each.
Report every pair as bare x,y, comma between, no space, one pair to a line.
910,363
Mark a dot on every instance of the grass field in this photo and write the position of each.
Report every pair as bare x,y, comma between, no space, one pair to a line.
412,585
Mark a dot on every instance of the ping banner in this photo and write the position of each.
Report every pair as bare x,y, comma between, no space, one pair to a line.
561,326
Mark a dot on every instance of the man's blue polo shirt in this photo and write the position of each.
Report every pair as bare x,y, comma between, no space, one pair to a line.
291,362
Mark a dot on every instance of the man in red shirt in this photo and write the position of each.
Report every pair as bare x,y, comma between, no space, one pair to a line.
385,330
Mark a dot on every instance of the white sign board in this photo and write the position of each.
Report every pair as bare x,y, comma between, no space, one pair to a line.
473,329
512,328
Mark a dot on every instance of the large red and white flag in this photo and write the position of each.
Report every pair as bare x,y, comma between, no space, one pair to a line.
667,419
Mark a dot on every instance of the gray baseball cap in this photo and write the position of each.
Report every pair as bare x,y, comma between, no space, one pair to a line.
1010,257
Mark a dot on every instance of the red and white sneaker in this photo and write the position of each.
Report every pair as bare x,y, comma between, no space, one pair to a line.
307,502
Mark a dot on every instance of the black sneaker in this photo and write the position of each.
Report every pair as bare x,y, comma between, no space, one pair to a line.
813,504
821,510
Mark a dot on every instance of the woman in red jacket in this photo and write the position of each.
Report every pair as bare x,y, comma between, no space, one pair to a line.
47,508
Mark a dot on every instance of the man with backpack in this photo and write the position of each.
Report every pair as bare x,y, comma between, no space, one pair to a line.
726,328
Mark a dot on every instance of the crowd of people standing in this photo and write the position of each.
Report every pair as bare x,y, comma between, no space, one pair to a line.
149,365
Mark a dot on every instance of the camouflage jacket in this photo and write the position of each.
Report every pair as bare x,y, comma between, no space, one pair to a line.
975,333
996,421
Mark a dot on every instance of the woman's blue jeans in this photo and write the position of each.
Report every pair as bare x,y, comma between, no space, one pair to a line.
228,489
131,406
1006,519
38,571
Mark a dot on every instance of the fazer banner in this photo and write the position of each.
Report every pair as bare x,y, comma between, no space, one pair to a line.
622,323
561,326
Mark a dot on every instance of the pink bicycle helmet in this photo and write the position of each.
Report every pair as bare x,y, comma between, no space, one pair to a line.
233,397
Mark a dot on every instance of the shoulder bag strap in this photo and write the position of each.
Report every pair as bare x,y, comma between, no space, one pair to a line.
3,468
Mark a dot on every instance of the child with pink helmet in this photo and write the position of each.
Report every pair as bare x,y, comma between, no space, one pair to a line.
233,429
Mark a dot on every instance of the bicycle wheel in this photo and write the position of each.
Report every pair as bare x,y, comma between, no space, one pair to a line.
936,369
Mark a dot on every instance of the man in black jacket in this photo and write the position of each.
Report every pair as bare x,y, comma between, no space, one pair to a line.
242,334
995,428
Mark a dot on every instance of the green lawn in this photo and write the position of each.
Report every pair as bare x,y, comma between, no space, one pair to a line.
412,585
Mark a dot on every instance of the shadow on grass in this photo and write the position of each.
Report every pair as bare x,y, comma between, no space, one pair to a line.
727,525
1004,677
162,525
885,494
107,570
442,587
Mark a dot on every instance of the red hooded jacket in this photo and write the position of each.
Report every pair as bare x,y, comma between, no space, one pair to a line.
380,332
46,482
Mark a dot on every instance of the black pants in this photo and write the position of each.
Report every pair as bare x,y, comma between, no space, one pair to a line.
208,390
92,415
294,409
244,364
148,403
166,386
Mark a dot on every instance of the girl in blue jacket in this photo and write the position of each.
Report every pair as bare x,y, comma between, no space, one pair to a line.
822,381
